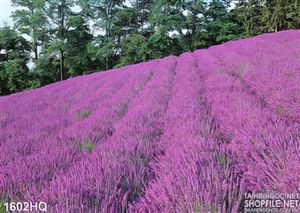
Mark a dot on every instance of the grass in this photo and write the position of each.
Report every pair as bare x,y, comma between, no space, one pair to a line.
2,207
198,208
84,113
279,109
222,159
87,145
122,108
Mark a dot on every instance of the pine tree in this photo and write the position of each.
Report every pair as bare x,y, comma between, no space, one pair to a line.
30,19
59,12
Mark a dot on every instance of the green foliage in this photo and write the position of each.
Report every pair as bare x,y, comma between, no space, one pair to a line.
134,49
167,15
14,53
47,69
249,16
65,38
30,19
222,159
79,37
87,145
12,45
2,207
15,73
275,15
104,49
219,24
196,207
160,44
126,21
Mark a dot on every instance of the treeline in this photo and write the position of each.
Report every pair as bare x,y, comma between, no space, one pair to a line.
64,38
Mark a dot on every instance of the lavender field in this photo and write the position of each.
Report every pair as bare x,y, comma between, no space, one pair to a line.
180,134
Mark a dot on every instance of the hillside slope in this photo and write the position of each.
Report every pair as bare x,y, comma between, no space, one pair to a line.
178,134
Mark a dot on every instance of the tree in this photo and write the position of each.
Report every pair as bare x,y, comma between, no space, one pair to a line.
168,26
218,22
102,13
160,44
125,22
293,15
249,13
274,13
281,15
47,69
194,22
182,20
16,75
134,49
142,10
14,54
79,38
30,19
105,49
168,16
59,12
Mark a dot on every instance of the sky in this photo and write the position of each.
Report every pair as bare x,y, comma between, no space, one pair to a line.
5,11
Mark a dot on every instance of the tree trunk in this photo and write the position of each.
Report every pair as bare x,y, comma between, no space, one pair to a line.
62,65
106,63
36,54
62,39
6,54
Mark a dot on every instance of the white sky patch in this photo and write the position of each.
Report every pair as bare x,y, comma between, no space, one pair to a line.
232,5
5,12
